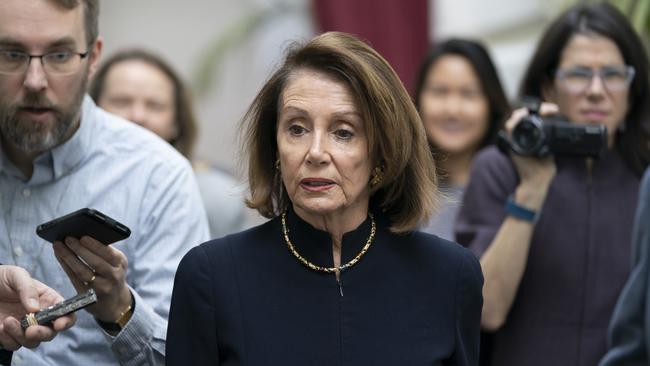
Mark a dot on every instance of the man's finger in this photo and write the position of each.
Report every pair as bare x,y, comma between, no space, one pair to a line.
36,334
64,322
24,285
6,340
15,331
106,252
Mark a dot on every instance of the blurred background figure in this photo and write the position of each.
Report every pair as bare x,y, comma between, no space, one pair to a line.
553,232
141,87
462,105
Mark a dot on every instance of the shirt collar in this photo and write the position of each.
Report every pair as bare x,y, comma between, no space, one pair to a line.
68,155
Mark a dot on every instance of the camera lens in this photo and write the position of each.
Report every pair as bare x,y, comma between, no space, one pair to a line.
527,136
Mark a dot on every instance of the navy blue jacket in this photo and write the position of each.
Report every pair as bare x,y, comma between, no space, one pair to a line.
244,299
629,335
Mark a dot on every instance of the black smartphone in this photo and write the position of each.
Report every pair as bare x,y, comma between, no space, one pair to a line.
84,222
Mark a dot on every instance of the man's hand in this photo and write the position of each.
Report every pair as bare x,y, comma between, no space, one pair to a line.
20,294
104,270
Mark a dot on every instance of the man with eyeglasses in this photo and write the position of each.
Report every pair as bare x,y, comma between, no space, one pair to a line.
59,152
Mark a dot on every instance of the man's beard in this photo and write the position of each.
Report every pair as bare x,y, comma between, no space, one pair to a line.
36,137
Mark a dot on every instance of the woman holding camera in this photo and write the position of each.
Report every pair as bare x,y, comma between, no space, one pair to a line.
553,233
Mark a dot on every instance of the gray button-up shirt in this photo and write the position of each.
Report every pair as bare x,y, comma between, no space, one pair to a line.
128,173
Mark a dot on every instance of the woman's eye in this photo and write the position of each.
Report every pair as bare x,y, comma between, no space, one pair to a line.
297,130
343,134
119,102
470,93
438,91
156,107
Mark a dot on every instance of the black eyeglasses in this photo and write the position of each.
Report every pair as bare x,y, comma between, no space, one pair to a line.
54,63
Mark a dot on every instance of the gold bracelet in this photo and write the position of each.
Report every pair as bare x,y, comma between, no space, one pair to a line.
124,318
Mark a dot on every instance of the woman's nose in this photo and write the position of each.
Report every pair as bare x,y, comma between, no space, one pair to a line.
317,153
453,105
596,86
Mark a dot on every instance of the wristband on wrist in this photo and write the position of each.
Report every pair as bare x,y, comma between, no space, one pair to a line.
520,212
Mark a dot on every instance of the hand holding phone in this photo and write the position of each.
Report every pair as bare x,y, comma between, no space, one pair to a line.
92,264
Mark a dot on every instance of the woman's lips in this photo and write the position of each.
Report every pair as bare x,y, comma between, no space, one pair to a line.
316,184
594,115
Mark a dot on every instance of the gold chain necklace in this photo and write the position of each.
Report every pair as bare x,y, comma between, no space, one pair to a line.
340,269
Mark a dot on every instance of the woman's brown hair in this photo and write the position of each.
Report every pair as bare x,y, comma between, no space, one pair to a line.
397,141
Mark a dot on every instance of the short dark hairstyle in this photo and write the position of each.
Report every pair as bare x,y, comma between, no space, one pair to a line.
396,138
91,16
476,54
605,20
184,118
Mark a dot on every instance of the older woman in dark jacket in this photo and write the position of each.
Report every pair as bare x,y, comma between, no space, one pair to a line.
339,161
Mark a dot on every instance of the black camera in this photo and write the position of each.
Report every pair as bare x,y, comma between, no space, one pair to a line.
542,136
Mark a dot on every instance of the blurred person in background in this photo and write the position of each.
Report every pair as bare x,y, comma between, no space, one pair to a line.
629,335
339,161
141,87
462,105
553,233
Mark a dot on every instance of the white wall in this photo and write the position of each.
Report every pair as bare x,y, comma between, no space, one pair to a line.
510,28
181,31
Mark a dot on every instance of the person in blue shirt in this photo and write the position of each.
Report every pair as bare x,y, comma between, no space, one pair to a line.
59,152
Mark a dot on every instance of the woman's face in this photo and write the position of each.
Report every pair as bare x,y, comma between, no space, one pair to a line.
454,109
602,100
323,147
141,93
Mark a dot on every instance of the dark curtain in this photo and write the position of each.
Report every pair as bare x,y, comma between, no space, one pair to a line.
397,29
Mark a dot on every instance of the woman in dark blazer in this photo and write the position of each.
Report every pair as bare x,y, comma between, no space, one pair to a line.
339,161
